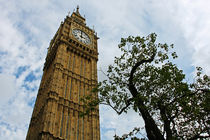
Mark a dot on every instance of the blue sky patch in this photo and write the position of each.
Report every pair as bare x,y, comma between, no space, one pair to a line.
29,88
104,130
20,71
2,53
5,124
30,77
31,101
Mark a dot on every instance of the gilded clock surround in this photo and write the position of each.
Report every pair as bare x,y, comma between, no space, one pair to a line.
70,71
81,36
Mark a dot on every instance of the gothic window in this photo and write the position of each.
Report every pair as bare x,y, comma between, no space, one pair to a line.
69,63
78,127
67,127
62,112
79,87
83,128
81,66
70,88
66,85
73,63
84,68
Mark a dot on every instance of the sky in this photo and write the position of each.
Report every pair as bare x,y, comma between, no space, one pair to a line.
27,26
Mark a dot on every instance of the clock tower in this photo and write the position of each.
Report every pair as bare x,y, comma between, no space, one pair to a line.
69,73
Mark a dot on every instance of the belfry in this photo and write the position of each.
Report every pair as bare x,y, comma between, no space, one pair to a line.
69,73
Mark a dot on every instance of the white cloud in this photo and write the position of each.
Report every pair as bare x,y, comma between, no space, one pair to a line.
109,134
118,124
11,133
196,25
7,86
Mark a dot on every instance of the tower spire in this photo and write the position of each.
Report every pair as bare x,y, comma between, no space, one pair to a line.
77,9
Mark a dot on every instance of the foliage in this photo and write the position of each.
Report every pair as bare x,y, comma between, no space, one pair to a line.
145,79
131,135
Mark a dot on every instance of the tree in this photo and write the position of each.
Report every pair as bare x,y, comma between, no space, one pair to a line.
145,79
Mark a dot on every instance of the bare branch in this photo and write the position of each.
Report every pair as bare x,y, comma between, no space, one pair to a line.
134,70
128,102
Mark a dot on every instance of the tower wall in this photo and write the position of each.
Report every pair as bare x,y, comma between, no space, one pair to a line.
70,72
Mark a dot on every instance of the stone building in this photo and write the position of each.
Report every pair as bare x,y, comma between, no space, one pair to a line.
70,72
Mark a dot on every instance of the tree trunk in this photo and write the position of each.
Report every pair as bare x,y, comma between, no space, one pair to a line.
153,133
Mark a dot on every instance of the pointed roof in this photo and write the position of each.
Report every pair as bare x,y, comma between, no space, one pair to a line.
77,14
77,11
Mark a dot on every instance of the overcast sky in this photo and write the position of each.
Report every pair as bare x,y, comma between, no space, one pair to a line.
27,26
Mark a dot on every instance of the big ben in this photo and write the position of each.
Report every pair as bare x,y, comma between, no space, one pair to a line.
69,73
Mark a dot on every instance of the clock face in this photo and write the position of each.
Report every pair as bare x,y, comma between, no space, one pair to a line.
81,36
